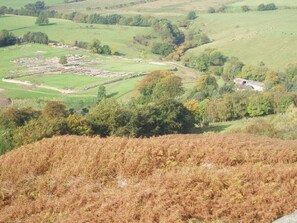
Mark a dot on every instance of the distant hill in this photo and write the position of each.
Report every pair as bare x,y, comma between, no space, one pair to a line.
177,178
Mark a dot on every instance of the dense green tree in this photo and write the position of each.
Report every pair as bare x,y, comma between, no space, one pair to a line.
42,19
191,15
95,46
200,63
163,117
169,33
282,102
218,110
238,101
106,50
163,49
35,37
232,68
34,9
216,58
261,7
206,82
270,6
245,8
2,11
6,140
7,38
205,87
101,94
253,73
291,70
159,85
260,105
109,118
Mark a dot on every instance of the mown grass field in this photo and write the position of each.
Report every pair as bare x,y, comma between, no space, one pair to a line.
64,81
253,37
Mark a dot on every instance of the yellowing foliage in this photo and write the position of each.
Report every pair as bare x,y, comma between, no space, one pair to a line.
177,178
192,106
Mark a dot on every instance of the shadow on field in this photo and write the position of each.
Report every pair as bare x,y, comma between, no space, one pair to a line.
25,27
112,94
212,128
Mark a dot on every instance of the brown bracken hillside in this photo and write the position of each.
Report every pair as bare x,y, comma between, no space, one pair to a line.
177,178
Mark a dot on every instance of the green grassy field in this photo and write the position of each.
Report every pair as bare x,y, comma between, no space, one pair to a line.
252,37
68,31
255,3
65,81
17,4
156,8
30,95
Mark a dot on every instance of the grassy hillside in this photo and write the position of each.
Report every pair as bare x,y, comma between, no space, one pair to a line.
68,31
156,8
180,178
254,3
252,37
21,3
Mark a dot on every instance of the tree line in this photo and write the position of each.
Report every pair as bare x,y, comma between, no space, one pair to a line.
8,38
157,110
217,65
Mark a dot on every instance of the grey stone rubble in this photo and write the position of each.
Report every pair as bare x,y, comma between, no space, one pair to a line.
75,65
292,218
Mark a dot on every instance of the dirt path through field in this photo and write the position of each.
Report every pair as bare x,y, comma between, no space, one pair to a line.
39,86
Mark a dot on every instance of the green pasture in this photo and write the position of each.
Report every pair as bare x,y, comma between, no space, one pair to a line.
8,54
254,3
119,38
253,37
17,4
29,94
118,64
123,89
64,81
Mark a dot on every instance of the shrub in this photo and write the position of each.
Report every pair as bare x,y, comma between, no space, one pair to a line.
7,38
35,37
211,10
163,49
63,60
260,105
245,8
191,15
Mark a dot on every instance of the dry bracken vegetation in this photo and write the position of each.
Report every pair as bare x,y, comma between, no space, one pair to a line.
177,178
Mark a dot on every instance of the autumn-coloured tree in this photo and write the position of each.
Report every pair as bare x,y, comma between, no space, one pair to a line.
206,85
159,85
55,109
